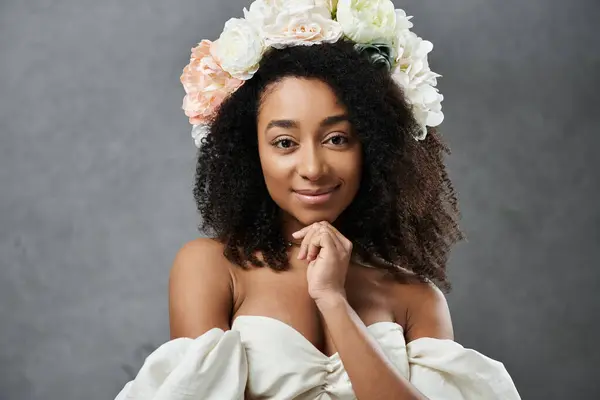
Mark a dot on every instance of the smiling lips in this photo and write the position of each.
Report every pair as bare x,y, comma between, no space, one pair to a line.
315,196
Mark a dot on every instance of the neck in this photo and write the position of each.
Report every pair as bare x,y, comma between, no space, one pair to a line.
290,225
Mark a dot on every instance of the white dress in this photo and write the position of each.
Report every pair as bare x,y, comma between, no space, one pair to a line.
271,360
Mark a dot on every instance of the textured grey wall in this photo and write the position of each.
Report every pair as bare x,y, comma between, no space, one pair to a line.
96,168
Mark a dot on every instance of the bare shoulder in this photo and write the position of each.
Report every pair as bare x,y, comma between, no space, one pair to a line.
200,289
424,308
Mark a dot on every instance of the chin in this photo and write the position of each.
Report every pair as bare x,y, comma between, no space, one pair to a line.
308,217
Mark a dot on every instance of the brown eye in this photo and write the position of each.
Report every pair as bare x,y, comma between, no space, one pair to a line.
338,140
283,143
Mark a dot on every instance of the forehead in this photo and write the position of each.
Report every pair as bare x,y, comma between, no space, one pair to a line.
299,99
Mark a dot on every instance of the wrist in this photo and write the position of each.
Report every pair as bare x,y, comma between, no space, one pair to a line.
331,300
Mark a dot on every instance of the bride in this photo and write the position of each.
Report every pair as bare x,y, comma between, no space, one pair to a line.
321,181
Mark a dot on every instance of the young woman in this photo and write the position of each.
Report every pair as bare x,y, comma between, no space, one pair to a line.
322,185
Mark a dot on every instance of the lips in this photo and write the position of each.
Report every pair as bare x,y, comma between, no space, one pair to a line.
316,192
315,196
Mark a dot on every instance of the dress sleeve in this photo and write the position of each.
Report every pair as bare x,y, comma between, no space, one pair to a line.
212,366
443,369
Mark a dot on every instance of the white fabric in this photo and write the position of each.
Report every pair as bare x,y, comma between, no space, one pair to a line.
271,360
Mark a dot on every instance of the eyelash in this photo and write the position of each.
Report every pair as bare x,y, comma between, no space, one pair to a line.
279,141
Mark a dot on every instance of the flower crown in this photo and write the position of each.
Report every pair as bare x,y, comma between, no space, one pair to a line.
219,68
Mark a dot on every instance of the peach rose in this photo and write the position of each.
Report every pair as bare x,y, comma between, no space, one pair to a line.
206,84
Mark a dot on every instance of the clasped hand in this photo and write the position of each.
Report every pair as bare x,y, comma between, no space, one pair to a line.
328,254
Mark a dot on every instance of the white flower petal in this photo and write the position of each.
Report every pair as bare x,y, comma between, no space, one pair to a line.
401,79
198,133
301,25
239,48
424,47
429,94
402,20
434,118
367,21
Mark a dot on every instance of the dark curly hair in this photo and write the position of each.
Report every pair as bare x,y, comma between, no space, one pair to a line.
404,216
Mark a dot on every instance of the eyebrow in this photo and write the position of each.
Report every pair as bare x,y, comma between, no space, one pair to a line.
291,124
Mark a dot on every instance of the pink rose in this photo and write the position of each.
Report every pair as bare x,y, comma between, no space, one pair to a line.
206,84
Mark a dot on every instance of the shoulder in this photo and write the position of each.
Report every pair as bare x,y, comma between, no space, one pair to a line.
201,259
200,288
424,309
200,249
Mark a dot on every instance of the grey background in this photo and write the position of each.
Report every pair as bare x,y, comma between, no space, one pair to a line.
96,167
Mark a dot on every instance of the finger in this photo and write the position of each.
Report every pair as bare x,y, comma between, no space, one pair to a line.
315,245
335,241
305,242
342,243
302,232
326,241
305,231
337,238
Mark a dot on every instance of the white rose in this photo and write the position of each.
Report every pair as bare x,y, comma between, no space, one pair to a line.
367,21
239,49
301,26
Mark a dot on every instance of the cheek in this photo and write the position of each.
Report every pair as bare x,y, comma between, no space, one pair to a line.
273,174
351,170
276,172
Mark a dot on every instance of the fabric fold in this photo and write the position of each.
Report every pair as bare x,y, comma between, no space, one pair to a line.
212,367
443,369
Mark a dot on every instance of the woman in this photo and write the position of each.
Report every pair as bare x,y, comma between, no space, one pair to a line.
332,218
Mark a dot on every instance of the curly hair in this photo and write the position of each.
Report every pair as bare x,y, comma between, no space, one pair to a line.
405,214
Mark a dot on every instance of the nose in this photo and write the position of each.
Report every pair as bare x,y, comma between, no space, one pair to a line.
311,164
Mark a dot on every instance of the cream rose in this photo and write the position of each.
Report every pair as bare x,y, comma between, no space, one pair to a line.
262,11
239,49
301,26
367,21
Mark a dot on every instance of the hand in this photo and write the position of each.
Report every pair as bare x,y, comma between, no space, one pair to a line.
328,254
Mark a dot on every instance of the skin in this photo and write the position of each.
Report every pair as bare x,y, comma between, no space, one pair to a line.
324,296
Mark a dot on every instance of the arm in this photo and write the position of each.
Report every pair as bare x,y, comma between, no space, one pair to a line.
371,373
200,290
427,312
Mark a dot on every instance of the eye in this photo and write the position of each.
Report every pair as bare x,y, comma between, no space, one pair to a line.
337,140
283,143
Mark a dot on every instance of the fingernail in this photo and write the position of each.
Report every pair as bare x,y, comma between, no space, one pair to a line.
295,234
